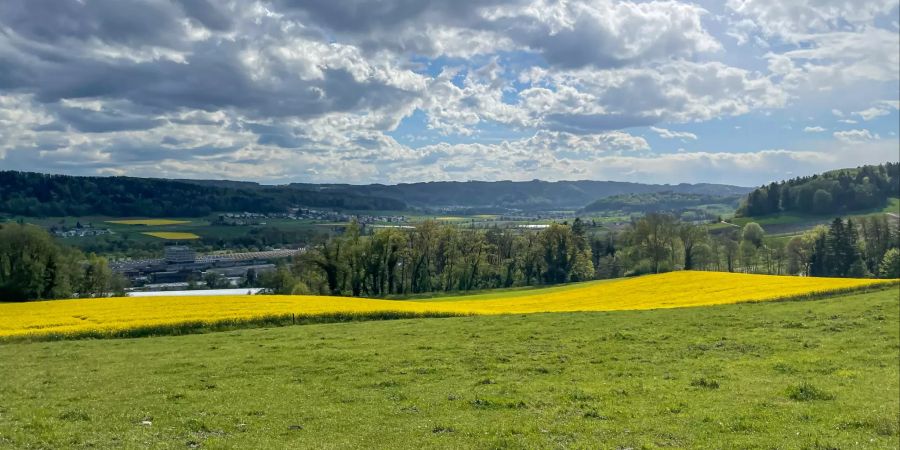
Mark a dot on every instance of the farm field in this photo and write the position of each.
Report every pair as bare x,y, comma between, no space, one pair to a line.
149,222
172,235
810,374
139,316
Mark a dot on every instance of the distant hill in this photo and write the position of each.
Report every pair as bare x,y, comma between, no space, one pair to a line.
41,195
834,192
659,201
525,195
35,194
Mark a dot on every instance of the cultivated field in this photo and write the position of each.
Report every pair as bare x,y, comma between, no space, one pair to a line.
817,374
172,235
148,222
172,315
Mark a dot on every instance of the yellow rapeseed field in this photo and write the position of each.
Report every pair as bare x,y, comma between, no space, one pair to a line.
116,316
172,235
149,222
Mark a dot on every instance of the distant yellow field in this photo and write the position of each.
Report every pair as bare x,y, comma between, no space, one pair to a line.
172,235
105,316
149,222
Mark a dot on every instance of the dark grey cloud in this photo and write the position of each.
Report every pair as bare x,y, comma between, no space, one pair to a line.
276,135
573,34
364,17
131,22
211,79
89,121
208,13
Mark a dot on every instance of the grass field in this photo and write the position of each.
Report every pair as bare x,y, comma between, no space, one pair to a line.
794,222
148,222
816,374
172,235
140,316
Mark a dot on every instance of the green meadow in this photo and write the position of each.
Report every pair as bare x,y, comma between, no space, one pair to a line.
817,374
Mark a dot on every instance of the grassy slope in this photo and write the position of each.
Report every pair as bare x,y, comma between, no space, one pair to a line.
796,222
608,379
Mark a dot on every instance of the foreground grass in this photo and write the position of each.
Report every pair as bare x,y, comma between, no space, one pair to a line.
142,316
814,375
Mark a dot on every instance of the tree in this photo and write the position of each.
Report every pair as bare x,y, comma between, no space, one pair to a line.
890,265
797,256
773,197
836,253
749,253
563,255
822,202
97,278
691,236
281,281
875,234
215,280
730,249
32,266
753,233
653,235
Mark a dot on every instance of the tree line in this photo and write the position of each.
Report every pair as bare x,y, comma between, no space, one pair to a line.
34,267
833,192
444,258
41,195
437,258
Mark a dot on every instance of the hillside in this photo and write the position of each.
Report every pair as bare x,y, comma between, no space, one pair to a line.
810,374
831,193
659,201
526,195
41,195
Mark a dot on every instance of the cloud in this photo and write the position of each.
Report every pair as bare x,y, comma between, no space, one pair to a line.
669,134
816,129
788,18
620,33
851,136
881,108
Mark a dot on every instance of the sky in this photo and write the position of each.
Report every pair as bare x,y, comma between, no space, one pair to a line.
387,91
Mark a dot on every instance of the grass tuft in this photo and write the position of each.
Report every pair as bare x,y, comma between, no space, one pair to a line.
805,392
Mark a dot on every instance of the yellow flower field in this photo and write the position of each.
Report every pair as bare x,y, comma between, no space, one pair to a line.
116,316
149,222
172,235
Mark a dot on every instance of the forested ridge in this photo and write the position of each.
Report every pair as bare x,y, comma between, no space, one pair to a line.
525,195
43,195
834,192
